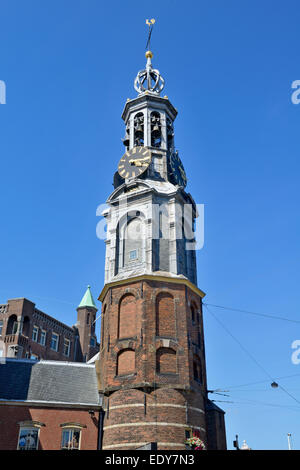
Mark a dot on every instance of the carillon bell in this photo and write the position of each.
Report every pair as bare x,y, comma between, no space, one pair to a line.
156,131
139,131
126,140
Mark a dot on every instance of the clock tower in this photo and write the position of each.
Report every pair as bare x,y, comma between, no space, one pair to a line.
151,367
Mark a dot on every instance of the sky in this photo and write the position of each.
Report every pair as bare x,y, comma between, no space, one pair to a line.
228,66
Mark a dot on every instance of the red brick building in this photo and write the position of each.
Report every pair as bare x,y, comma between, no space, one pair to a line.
26,332
48,405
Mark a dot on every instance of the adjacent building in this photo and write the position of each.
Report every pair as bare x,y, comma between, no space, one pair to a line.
48,405
26,332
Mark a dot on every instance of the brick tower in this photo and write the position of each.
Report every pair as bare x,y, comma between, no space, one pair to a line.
86,317
151,365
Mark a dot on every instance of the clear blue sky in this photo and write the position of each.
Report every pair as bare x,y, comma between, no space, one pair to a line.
69,67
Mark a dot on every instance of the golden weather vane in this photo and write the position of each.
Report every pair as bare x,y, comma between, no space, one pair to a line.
150,23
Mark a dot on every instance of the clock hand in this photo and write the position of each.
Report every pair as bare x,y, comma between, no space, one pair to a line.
139,159
138,162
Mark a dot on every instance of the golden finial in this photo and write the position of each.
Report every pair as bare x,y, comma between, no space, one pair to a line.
149,55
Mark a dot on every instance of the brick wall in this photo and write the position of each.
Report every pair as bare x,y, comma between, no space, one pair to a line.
146,367
134,418
51,433
24,311
26,314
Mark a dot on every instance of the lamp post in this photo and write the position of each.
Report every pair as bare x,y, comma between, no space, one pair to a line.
289,440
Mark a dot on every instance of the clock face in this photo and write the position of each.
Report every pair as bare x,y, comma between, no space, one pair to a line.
134,162
178,175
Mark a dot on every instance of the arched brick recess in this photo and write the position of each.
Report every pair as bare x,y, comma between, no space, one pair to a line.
127,317
102,324
165,315
197,369
126,362
195,332
166,362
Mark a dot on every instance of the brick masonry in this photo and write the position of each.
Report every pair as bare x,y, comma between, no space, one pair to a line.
50,433
147,365
18,318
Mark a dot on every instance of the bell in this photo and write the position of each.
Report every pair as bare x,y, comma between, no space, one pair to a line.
126,140
139,131
156,131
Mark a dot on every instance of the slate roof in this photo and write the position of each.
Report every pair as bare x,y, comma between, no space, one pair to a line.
48,382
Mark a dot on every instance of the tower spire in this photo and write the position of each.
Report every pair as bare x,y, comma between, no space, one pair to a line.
87,300
149,79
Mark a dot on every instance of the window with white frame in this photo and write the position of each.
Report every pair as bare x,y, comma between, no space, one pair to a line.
1,327
35,333
43,338
67,347
71,438
28,438
54,342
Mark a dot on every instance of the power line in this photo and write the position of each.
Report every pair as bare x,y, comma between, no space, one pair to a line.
254,402
240,344
251,390
266,315
255,383
250,355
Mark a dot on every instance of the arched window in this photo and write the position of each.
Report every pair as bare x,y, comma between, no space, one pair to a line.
126,362
26,326
165,315
139,130
166,361
12,325
193,313
127,317
155,129
170,135
133,242
197,369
